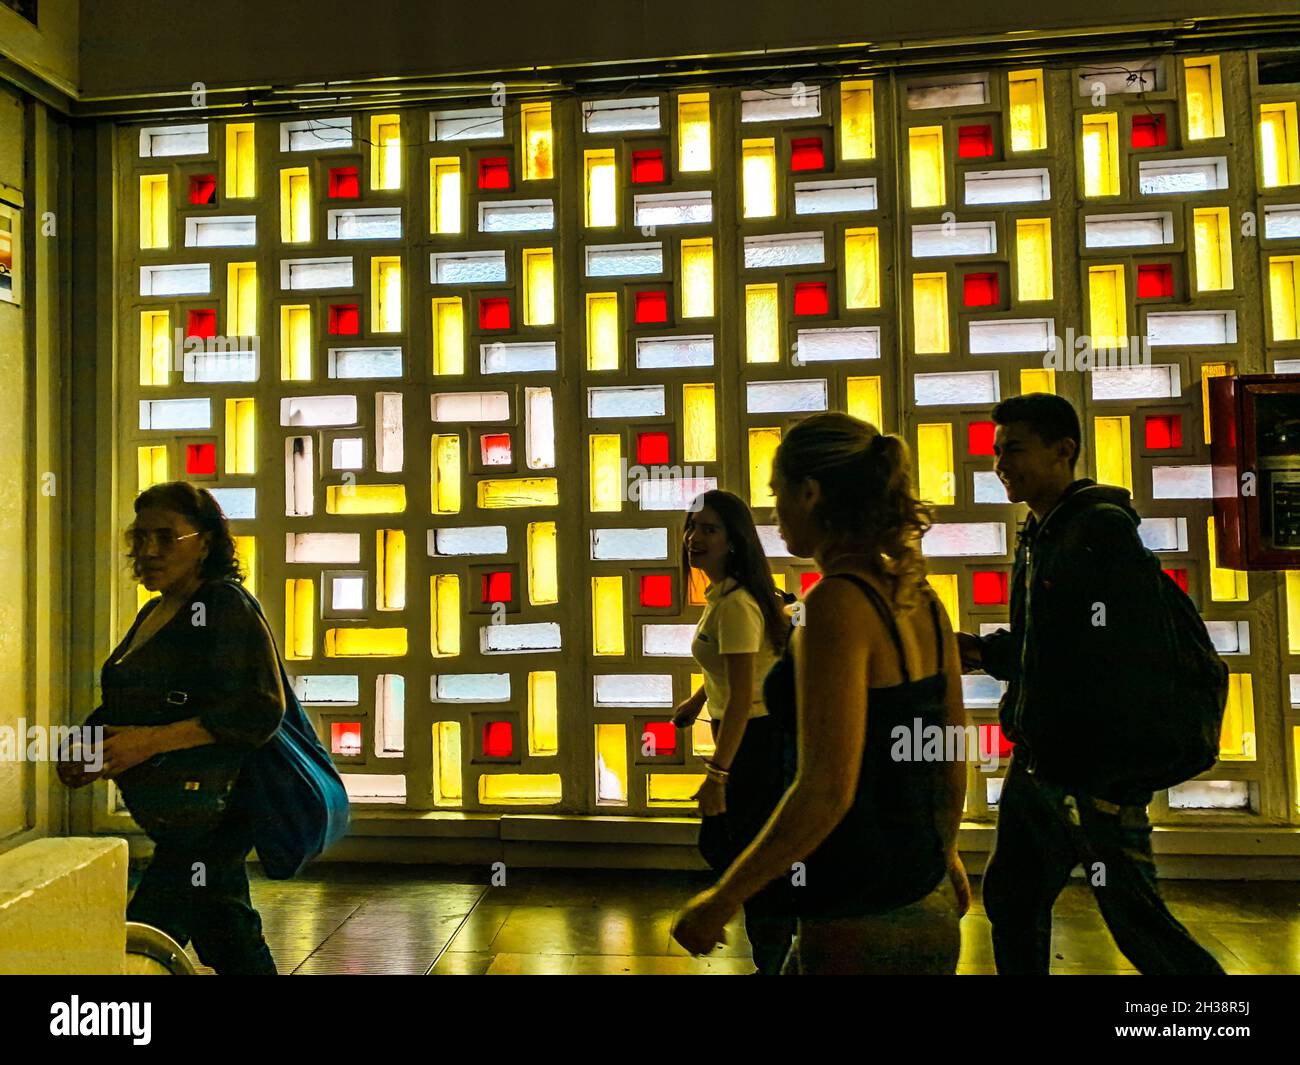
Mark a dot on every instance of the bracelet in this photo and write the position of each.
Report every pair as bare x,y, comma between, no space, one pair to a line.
716,772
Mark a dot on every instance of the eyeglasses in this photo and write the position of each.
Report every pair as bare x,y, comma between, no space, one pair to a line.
166,539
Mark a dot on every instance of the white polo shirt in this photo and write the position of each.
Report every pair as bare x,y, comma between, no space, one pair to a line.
732,624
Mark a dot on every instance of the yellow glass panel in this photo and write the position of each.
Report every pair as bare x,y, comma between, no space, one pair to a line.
1295,764
1107,306
543,714
702,745
1208,370
1284,296
1279,144
444,195
1033,259
241,161
602,187
518,492
444,605
295,205
519,789
697,277
1293,612
930,313
696,587
1028,115
390,565
1035,380
365,498
445,464
539,286
945,587
151,466
1101,154
1204,97
538,141
758,177
385,152
694,136
1114,461
607,615
142,596
857,120
925,161
447,784
543,565
155,347
862,267
672,789
1230,585
241,300
605,452
611,765
863,401
937,483
155,211
1237,740
1213,241
295,343
241,439
779,580
299,618
762,323
386,293
365,643
602,331
762,449
699,424
246,552
448,335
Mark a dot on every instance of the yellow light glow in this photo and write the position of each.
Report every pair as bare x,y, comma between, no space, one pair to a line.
694,134
444,195
862,267
1279,144
930,313
444,605
672,789
611,765
386,293
1114,453
1237,740
447,784
241,161
155,347
445,491
699,424
605,450
1209,370
1036,380
538,141
543,564
241,436
1231,585
295,342
1101,154
602,187
1213,242
151,466
365,498
945,587
299,618
295,205
539,286
926,164
762,449
1033,259
602,331
1284,296
857,120
246,552
758,177
365,643
155,211
519,789
762,323
607,616
448,335
1028,115
1107,307
543,714
937,483
1204,97
390,565
241,300
697,277
518,492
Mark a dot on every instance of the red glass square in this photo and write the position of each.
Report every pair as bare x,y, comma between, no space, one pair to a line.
201,459
494,313
993,740
1155,280
1148,131
651,307
807,153
807,580
974,142
990,587
980,290
344,183
811,297
979,438
647,166
498,739
345,737
1164,431
659,738
201,324
495,449
203,188
345,319
494,173
497,587
1180,578
652,449
656,590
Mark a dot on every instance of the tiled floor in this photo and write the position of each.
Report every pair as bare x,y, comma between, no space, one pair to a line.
441,920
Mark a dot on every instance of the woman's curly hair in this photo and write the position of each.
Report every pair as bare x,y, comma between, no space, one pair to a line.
199,507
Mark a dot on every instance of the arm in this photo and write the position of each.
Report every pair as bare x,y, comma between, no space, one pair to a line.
740,697
999,654
685,712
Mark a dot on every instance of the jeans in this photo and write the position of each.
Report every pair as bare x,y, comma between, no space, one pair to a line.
1043,833
198,889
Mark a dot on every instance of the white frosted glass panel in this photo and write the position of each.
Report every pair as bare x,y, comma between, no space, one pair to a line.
1124,75
666,353
1160,177
365,362
619,544
1286,365
658,641
1230,637
475,123
772,397
365,223
315,134
1163,534
945,389
835,197
519,639
992,792
299,475
1282,221
322,547
625,260
1181,482
348,453
469,540
188,279
471,406
348,593
1295,689
838,345
965,538
671,492
327,688
388,435
947,92
981,690
539,434
375,787
318,410
606,116
780,103
1210,795
773,546
156,141
636,401
232,231
316,273
673,208
633,689
1008,186
175,414
960,238
470,688
238,504
988,488
784,249
1012,335
203,366
516,216
1191,327
467,267
1135,382
524,357
1128,230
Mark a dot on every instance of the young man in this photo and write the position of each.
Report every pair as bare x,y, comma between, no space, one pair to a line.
1077,661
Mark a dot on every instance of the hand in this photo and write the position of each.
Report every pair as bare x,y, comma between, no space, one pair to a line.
960,885
712,798
684,714
972,654
128,746
701,925
74,774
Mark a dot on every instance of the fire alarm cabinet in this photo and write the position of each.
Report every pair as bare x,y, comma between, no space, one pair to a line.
1255,448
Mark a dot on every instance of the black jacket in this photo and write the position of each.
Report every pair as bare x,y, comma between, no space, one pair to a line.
1085,606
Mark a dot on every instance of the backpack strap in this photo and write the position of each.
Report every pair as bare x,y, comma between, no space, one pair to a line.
886,617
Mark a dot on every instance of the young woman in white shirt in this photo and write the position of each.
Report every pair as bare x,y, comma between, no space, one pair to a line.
740,634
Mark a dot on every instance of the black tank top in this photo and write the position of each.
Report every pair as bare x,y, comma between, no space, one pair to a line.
887,851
